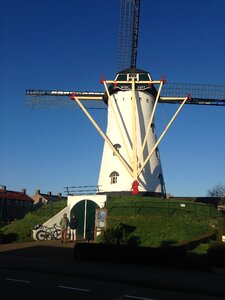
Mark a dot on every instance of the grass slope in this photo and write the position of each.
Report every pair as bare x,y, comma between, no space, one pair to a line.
156,222
21,230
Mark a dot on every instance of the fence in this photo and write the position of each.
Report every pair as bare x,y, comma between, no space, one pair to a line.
82,189
166,208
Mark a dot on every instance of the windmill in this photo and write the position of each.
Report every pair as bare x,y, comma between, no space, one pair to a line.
130,159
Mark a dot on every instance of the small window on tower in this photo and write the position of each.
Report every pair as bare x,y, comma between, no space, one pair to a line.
121,77
117,147
144,77
113,177
153,127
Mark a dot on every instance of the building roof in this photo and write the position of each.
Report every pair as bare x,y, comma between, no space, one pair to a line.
14,195
132,70
51,197
47,196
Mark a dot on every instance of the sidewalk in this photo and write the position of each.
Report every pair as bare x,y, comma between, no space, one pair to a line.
54,257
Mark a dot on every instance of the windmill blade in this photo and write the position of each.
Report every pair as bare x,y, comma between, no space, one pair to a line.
62,99
200,94
128,34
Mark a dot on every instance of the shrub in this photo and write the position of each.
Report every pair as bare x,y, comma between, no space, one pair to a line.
117,235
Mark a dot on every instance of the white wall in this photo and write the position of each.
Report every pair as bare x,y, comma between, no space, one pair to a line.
71,201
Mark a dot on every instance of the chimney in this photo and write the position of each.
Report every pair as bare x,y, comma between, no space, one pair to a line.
23,191
38,191
49,193
59,194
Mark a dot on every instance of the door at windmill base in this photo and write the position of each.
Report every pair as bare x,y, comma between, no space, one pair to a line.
85,214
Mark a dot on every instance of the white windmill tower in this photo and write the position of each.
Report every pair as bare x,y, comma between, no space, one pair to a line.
131,130
130,159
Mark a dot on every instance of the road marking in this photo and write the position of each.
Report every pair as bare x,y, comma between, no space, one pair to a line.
135,297
73,288
18,280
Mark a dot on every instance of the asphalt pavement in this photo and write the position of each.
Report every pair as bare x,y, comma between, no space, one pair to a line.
55,258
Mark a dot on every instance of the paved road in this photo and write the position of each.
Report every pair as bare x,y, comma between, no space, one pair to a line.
44,263
26,285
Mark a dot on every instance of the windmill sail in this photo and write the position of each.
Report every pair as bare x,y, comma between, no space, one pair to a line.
128,34
200,94
44,99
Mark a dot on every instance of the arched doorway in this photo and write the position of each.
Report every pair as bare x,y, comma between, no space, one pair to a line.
84,211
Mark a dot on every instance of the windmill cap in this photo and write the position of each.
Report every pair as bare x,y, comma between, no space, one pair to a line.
132,70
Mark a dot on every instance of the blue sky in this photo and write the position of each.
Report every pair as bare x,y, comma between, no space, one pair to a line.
68,45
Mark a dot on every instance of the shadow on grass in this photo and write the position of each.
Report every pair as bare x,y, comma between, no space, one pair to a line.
168,243
169,254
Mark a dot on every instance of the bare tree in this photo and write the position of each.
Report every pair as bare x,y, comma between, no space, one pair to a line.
217,191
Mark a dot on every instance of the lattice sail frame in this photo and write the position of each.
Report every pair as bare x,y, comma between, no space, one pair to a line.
128,34
201,94
44,99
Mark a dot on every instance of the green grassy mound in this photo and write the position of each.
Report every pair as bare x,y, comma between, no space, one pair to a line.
155,222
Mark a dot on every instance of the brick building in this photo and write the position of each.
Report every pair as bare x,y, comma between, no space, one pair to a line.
39,197
14,204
